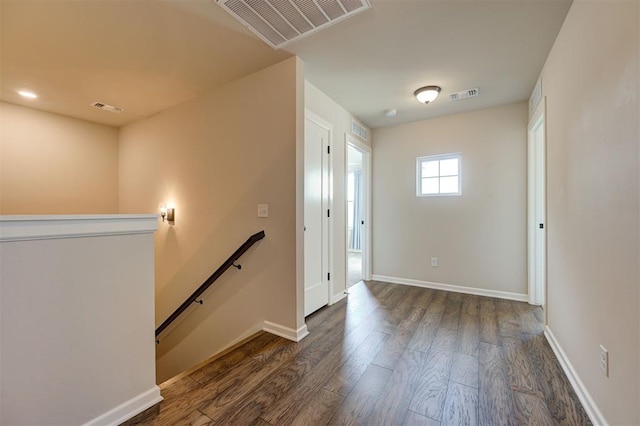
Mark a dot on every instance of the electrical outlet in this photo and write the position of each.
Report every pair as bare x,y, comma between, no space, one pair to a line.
263,210
604,360
434,262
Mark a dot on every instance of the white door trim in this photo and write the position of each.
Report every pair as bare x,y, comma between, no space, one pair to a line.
537,296
328,262
367,208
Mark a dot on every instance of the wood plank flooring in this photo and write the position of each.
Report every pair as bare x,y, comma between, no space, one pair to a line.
387,355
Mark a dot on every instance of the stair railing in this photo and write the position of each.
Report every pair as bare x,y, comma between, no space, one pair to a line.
195,296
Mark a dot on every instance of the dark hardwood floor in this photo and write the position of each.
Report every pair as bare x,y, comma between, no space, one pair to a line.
387,355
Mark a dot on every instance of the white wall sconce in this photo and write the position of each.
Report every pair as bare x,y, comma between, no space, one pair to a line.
427,94
168,213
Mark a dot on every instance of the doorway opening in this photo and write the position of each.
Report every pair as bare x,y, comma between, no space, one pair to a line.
358,212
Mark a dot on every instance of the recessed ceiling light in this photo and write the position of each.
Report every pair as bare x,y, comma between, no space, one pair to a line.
27,94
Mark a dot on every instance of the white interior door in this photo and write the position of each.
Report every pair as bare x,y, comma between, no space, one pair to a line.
537,212
316,216
359,159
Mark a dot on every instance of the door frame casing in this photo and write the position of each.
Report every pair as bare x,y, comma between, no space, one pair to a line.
327,201
535,178
366,208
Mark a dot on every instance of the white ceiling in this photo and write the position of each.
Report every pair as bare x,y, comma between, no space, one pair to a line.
149,55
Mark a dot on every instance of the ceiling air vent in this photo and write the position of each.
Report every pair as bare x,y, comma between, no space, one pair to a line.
359,130
279,22
107,107
458,96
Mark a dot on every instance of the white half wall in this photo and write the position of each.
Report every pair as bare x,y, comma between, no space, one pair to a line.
76,319
479,237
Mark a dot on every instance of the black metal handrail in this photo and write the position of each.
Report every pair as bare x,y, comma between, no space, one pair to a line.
205,285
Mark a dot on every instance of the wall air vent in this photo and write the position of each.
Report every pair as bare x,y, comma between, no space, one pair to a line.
280,22
359,130
458,96
107,107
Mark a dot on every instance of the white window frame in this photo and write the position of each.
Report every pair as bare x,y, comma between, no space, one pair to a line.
440,157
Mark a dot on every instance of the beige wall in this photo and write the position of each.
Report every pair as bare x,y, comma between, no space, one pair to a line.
52,164
216,158
479,238
327,109
591,84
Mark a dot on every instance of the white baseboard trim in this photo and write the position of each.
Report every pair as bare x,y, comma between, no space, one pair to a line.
583,394
337,297
286,332
128,409
455,288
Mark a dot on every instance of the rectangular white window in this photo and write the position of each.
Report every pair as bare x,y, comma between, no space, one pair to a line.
439,175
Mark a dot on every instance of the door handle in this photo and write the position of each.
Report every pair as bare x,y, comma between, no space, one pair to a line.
362,222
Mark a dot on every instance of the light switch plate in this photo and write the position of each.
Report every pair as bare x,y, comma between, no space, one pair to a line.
263,210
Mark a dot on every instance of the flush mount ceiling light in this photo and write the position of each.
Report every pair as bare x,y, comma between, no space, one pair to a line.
427,94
